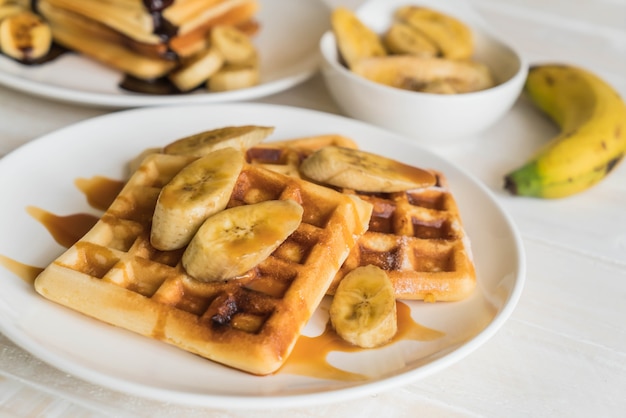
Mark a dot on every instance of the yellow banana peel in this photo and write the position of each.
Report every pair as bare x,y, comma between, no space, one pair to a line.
592,139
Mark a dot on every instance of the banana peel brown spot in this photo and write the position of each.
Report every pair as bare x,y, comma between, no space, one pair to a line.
613,163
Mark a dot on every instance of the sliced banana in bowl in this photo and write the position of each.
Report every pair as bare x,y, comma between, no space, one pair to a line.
452,37
423,74
403,39
354,39
435,108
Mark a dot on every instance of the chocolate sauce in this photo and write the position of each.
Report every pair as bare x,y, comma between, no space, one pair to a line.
159,86
54,52
163,28
34,5
157,5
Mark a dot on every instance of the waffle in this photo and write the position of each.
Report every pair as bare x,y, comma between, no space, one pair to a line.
134,39
115,275
416,236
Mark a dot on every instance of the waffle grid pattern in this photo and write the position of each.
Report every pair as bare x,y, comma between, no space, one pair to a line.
250,323
416,236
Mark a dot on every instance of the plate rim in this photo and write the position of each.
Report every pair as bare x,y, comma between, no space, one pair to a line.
238,402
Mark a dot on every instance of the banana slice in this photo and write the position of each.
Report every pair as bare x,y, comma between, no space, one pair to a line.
233,241
451,36
359,170
363,309
199,190
9,9
239,137
236,47
401,38
416,73
25,36
234,77
354,39
196,71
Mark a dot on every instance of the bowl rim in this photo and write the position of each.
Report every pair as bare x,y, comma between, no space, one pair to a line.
330,54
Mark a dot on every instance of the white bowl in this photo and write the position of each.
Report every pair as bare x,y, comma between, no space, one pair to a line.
429,118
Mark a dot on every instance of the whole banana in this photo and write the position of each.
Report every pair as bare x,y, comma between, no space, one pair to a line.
592,140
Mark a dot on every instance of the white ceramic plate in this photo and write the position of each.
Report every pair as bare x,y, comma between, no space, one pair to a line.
287,44
42,174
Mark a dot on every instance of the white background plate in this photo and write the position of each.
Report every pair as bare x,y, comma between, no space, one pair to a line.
287,43
42,174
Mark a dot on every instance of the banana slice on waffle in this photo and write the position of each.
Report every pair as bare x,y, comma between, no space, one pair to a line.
359,170
235,240
239,137
198,145
198,191
363,309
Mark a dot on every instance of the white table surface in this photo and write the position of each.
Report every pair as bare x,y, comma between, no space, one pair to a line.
562,352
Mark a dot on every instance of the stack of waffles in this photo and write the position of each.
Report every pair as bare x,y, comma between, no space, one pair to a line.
144,38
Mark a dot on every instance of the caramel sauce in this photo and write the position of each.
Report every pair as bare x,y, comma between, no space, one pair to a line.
309,356
99,191
65,230
23,271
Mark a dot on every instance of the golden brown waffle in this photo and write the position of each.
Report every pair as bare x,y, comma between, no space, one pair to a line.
416,236
115,275
126,36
